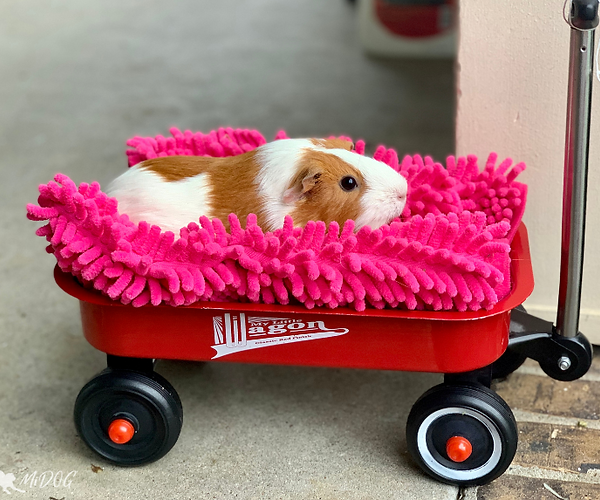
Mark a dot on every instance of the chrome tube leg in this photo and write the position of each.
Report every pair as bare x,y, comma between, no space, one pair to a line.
563,352
581,65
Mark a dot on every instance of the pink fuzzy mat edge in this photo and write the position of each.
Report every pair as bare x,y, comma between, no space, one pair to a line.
449,251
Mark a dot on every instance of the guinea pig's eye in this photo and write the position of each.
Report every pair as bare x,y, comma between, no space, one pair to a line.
348,183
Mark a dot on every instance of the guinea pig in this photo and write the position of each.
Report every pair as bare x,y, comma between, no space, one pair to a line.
309,179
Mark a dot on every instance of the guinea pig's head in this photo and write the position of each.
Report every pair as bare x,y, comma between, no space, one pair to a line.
332,183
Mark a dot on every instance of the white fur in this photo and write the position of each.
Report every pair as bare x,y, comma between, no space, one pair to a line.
144,196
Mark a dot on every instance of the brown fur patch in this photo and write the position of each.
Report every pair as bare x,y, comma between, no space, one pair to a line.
333,144
235,189
232,181
176,168
326,200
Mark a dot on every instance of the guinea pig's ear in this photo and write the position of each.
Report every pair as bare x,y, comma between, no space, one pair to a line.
301,187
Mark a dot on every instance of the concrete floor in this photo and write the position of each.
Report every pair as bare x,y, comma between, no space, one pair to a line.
77,78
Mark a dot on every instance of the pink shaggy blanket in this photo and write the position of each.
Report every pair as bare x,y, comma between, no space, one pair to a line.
449,251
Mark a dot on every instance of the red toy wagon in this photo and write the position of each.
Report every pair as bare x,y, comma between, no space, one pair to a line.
459,432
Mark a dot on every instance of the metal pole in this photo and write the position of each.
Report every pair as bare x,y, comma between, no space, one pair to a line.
583,21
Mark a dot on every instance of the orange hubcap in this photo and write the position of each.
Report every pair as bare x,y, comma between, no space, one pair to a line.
121,431
458,448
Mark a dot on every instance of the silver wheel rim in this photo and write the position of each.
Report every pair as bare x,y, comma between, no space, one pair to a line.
454,474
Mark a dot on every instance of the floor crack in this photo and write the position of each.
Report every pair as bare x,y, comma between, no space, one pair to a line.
467,493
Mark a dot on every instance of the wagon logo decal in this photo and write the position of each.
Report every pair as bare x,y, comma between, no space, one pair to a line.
238,332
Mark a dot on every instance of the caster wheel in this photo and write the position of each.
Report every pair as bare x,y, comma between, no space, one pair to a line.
460,434
577,352
127,417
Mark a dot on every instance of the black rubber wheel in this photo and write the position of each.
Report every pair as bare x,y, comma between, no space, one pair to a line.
147,401
474,413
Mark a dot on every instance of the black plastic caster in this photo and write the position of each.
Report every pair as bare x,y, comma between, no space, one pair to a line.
128,417
562,358
462,434
570,359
